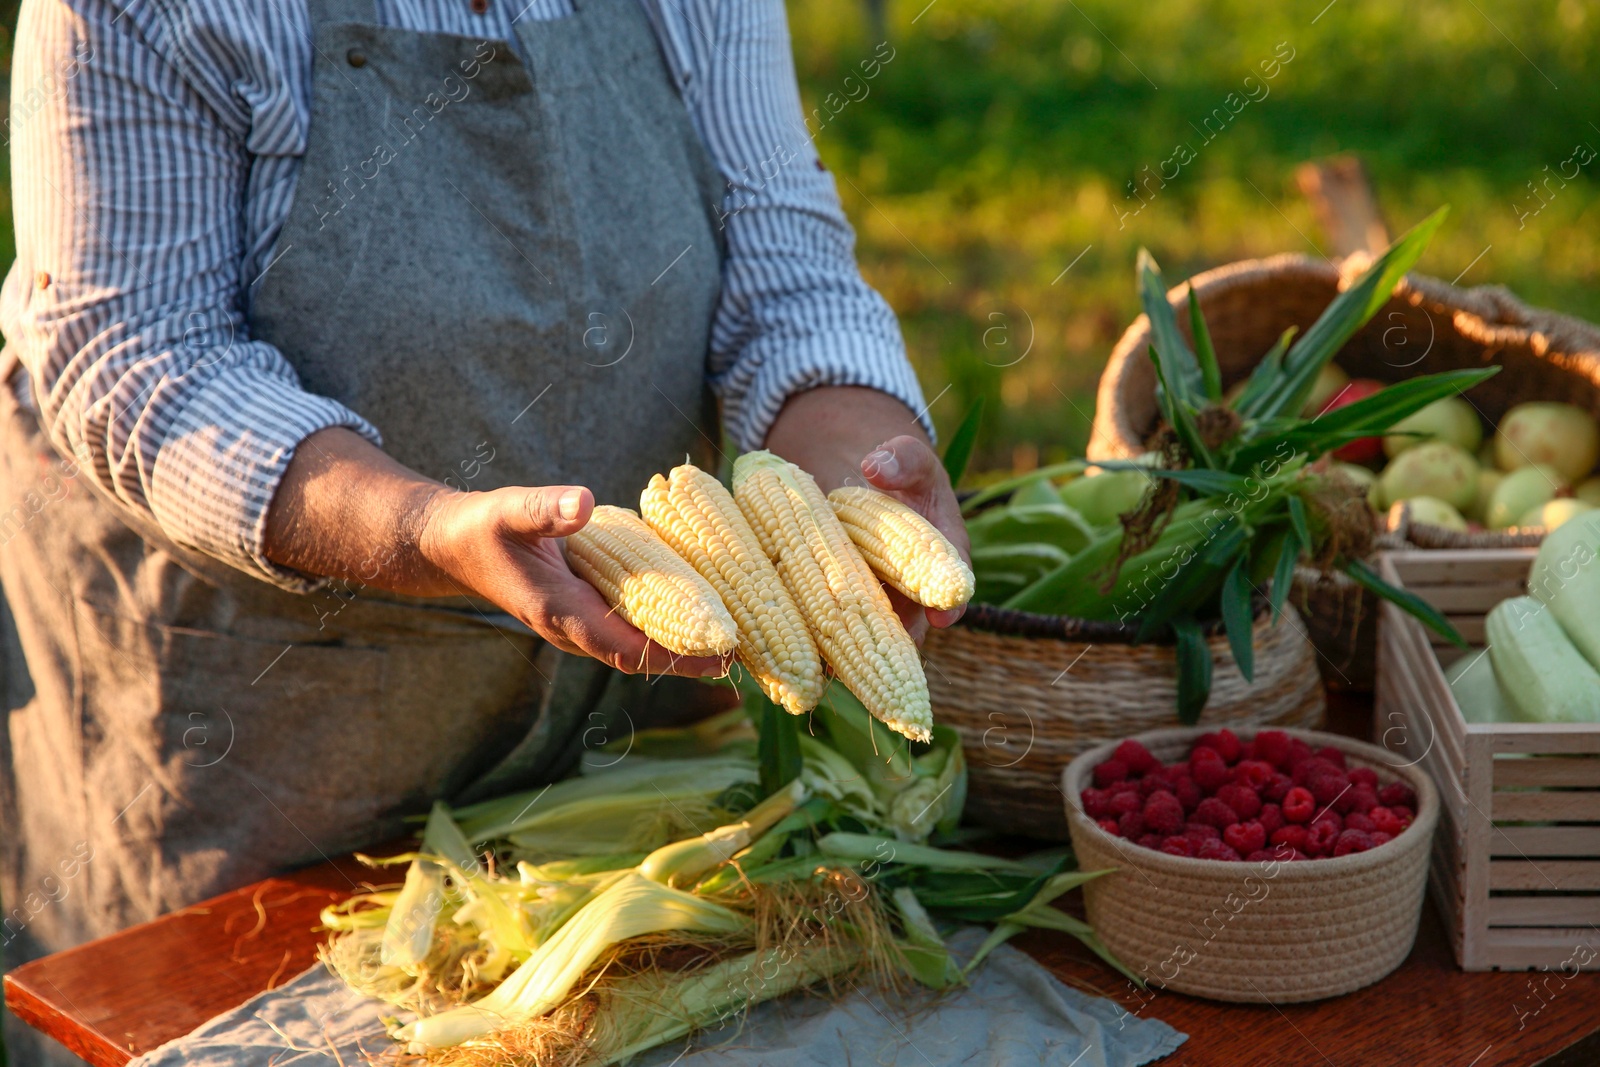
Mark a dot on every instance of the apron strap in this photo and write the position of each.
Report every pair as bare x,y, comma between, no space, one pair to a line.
323,12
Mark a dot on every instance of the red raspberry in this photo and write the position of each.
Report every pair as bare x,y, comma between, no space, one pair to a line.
1217,813
1150,783
1112,770
1397,794
1178,846
1245,837
1330,817
1253,773
1225,742
1298,855
1215,850
1131,825
1135,757
1150,841
1321,837
1332,755
1360,798
1201,831
1262,855
1385,821
1359,821
1298,750
1307,769
1328,787
1277,788
1272,746
1365,776
1110,827
1291,836
1299,805
1122,803
1208,769
1096,803
1163,814
1352,841
1270,817
1381,838
1403,813
1127,785
1242,799
1189,792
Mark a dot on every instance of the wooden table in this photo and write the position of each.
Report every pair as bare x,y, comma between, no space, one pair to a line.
127,993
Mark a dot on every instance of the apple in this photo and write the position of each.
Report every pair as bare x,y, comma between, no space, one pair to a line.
1362,449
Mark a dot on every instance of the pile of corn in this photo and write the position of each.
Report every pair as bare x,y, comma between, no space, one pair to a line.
781,574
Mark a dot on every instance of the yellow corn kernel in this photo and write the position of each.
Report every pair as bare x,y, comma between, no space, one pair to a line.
849,613
650,585
904,548
699,520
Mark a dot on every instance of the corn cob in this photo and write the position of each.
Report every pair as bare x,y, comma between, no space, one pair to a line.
904,548
650,585
847,610
699,520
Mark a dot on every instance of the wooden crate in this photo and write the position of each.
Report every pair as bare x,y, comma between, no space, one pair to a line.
1516,860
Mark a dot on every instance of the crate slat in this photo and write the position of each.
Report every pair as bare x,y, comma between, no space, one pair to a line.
1552,875
1535,841
1546,771
1470,600
1550,949
1541,738
1579,805
1463,566
1549,909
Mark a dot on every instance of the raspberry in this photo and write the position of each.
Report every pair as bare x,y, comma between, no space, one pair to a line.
1131,825
1253,773
1112,770
1225,743
1403,813
1261,855
1270,817
1307,769
1163,814
1329,817
1365,776
1208,769
1291,835
1096,803
1122,803
1397,794
1188,792
1359,821
1298,855
1381,838
1328,787
1150,841
1352,841
1361,798
1135,757
1245,837
1178,846
1242,799
1321,837
1385,821
1272,746
1217,813
1299,805
1298,750
1332,755
1151,783
1215,850
1127,785
1277,788
1201,831
1110,827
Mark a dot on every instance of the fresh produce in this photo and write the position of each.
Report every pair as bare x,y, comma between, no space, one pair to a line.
1429,510
1556,435
650,585
1489,480
1553,513
1273,798
904,548
1435,468
844,606
1331,381
1519,492
1362,449
1543,675
1477,690
1104,496
1452,420
1566,578
695,515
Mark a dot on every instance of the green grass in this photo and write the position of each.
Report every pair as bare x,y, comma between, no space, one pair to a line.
999,142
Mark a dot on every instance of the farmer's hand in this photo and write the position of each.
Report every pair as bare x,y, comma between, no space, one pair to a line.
346,509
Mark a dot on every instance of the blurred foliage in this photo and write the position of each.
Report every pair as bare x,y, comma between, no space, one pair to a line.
1000,142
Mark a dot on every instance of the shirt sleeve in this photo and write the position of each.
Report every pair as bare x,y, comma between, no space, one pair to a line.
126,301
795,312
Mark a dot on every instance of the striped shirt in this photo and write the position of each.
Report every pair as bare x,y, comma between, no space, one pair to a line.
156,146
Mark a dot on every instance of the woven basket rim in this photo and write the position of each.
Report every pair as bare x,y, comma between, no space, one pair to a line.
1422,825
1009,622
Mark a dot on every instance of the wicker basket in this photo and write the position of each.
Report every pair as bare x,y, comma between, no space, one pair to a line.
1029,692
1427,326
1275,932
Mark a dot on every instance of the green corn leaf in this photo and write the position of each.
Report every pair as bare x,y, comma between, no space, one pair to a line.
1283,574
778,747
1202,480
1406,601
1176,363
1265,378
1010,485
959,451
1238,618
1348,312
1297,520
1180,416
1194,669
1195,580
1205,354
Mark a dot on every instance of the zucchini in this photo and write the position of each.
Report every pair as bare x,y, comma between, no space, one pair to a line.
1477,690
1543,675
1566,576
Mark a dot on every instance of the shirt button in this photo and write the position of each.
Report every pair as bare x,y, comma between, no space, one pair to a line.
479,7
357,57
43,280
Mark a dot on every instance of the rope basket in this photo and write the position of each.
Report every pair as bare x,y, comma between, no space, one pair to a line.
1027,693
1426,327
1266,932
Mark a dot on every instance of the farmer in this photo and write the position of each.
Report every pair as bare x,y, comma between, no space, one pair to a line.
329,319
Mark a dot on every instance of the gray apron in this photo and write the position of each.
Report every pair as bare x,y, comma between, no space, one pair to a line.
509,265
